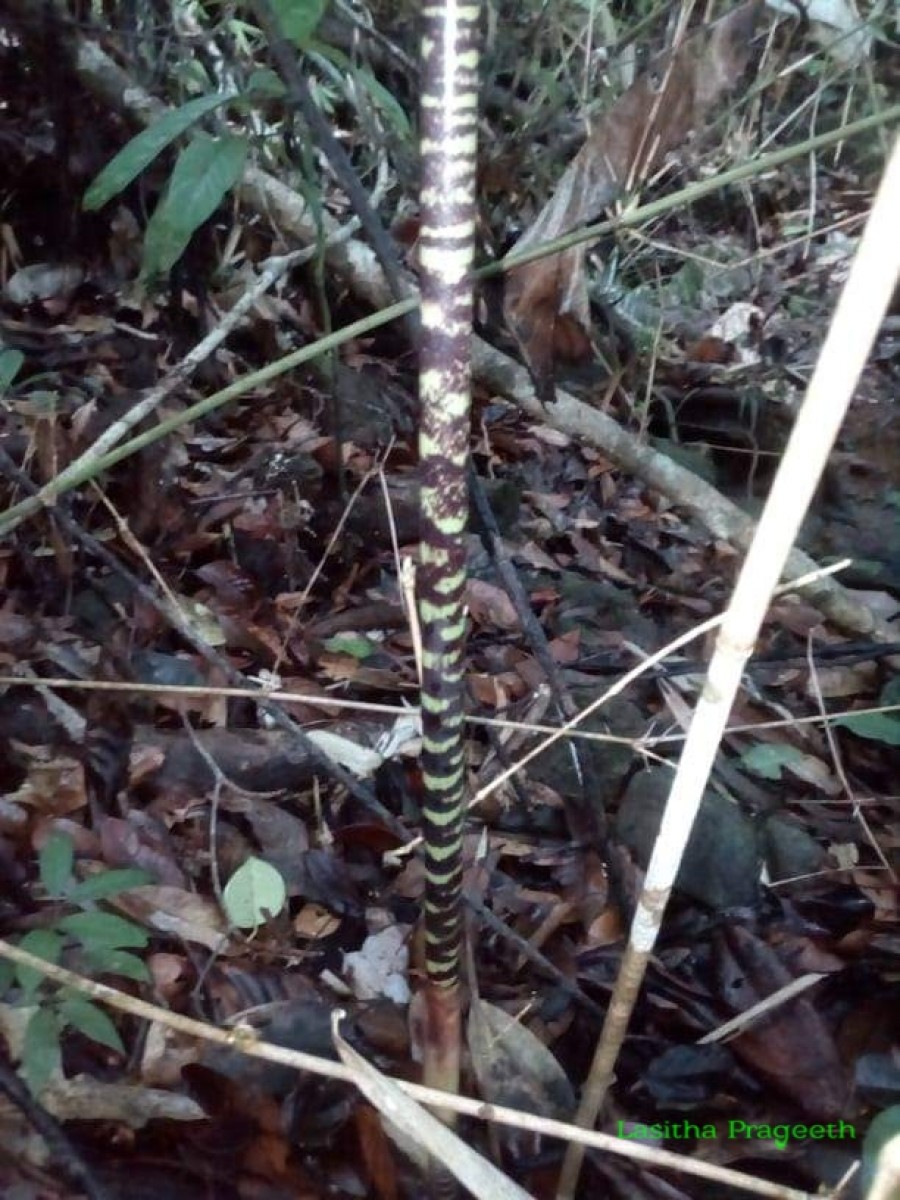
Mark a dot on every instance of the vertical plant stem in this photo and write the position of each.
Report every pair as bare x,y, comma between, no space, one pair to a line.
449,142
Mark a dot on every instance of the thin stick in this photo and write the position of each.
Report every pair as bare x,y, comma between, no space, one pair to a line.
245,1041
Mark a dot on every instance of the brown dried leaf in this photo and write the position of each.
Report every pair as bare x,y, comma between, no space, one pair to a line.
546,302
376,1152
490,605
283,837
790,1046
54,783
313,921
140,842
178,912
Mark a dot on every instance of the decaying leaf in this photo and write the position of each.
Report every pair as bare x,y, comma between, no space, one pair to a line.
176,911
791,1046
546,302
513,1067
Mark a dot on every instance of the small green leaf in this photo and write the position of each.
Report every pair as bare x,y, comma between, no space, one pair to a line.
55,861
264,84
41,1055
191,77
297,19
387,103
253,894
875,727
45,944
393,112
103,931
768,759
890,693
143,149
350,644
205,172
10,365
83,1015
689,282
108,883
118,962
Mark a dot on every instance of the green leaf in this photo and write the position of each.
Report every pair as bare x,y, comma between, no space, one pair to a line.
890,693
118,962
351,644
45,944
689,282
143,149
191,77
297,19
205,171
108,883
767,760
55,861
264,84
82,1014
10,365
391,109
875,727
254,893
103,931
41,1055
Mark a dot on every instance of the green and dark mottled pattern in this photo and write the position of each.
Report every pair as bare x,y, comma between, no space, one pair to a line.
448,145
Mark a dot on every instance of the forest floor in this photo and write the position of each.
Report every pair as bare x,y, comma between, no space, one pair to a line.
259,547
